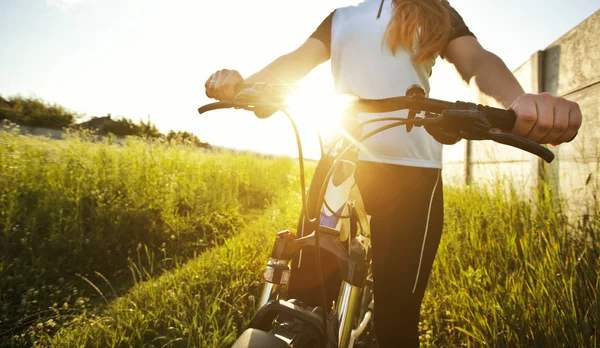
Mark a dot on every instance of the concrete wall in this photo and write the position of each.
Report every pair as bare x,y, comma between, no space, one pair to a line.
570,68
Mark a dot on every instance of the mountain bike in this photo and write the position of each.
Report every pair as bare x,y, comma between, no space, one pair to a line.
333,219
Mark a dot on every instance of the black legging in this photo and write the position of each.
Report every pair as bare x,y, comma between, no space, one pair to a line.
406,208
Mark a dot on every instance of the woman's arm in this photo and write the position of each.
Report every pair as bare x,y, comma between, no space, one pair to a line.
293,66
540,117
286,69
484,72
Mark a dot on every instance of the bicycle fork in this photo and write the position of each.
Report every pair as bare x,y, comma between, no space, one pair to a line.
347,308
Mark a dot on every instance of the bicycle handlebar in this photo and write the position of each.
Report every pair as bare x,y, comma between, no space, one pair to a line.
498,118
459,119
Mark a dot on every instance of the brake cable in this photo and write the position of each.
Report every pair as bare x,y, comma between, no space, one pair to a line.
316,219
340,216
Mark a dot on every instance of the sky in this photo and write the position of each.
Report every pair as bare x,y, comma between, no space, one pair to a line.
150,58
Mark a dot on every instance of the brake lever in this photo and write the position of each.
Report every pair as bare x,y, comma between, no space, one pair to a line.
447,127
472,124
510,140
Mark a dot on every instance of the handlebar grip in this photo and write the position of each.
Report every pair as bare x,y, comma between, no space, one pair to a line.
214,106
499,118
238,88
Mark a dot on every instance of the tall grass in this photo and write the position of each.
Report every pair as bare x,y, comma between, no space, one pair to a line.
509,275
74,212
506,275
204,303
509,272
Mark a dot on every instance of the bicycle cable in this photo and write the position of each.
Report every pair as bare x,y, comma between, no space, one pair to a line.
316,219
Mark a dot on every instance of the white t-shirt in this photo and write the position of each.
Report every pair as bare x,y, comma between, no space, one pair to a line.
363,63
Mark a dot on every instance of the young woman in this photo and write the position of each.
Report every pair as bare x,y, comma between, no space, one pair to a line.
377,50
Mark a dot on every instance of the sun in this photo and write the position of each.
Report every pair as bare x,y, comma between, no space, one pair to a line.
321,112
317,109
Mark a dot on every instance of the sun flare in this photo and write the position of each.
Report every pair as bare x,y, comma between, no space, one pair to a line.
322,112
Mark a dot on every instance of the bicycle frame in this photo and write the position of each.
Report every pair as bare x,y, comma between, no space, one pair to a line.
345,232
348,246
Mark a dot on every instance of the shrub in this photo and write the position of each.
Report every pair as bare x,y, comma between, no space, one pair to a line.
34,112
186,138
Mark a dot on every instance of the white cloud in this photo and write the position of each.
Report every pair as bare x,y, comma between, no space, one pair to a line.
65,5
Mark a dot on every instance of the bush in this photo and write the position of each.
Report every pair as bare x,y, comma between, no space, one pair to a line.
149,130
35,112
125,127
186,138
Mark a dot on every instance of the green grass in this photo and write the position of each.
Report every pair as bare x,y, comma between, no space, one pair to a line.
74,212
204,303
506,274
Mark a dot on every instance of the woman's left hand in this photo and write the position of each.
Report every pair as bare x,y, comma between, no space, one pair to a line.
546,119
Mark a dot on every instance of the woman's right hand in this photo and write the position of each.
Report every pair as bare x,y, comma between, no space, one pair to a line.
221,84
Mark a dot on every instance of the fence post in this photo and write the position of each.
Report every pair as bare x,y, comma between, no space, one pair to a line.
546,173
468,165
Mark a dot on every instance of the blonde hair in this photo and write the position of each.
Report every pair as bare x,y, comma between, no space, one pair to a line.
421,26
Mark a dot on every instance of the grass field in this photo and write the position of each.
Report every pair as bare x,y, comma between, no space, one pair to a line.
75,213
204,303
506,275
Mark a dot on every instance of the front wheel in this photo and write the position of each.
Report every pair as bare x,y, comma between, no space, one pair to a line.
284,334
288,322
254,338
